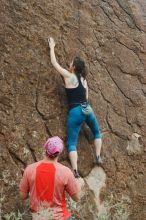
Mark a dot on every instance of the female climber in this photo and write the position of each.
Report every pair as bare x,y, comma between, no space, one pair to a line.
80,110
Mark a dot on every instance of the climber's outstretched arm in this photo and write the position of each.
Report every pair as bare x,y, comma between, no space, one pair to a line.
54,62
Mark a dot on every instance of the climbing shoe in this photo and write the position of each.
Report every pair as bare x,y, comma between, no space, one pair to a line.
76,174
99,161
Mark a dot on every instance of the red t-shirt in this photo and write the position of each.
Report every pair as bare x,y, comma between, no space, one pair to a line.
46,184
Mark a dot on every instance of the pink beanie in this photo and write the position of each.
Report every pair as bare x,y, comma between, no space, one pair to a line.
53,146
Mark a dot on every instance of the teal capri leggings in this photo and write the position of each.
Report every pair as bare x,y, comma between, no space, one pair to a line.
74,122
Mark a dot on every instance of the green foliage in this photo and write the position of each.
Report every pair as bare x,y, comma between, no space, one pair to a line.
112,211
14,216
115,211
44,213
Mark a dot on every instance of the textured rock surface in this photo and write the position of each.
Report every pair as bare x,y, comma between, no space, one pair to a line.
111,37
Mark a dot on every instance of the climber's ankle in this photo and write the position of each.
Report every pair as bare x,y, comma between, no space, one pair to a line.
99,160
76,174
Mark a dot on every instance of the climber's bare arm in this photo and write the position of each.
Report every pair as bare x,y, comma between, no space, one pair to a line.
23,195
86,86
87,93
62,71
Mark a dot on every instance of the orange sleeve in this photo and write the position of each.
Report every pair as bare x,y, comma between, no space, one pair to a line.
24,183
72,185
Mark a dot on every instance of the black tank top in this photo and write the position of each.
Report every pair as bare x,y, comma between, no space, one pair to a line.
76,96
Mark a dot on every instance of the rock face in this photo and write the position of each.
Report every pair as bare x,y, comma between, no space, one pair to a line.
111,36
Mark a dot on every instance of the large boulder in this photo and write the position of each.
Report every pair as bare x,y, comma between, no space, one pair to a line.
111,36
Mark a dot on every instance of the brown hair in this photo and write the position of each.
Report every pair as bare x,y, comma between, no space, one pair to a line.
80,68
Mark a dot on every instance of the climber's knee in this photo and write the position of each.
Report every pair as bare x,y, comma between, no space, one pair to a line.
97,135
71,148
96,131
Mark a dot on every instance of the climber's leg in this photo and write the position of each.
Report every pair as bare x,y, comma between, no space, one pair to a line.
94,126
98,143
74,122
73,156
